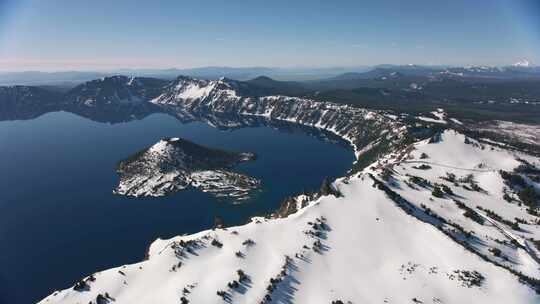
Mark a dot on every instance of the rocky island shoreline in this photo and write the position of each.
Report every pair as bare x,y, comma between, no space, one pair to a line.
173,164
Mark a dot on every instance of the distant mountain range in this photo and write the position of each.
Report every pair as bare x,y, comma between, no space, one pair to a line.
68,79
71,78
488,91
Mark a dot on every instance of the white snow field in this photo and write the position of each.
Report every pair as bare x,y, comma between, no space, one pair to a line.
361,247
440,114
523,132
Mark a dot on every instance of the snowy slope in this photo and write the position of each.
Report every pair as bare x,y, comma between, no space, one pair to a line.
520,132
460,156
374,244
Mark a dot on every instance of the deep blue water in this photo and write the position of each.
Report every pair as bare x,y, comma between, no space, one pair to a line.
59,220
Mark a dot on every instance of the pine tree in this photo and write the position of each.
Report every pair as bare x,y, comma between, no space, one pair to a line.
437,192
327,189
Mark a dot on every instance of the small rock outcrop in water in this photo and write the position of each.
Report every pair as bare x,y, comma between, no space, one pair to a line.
174,164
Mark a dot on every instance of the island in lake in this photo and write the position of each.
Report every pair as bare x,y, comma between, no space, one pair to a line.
174,164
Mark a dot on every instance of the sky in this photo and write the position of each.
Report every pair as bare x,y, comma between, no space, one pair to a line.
105,35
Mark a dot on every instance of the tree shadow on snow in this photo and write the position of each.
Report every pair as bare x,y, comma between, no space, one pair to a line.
244,285
287,288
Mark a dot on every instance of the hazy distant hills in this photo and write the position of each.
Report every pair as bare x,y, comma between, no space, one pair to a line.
346,77
37,78
275,87
511,92
72,78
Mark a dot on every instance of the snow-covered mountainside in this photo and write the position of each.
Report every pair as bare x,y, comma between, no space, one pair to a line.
522,132
390,237
520,69
473,192
448,219
524,63
174,164
360,127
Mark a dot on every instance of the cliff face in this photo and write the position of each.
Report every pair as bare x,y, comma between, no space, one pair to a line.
23,102
185,97
27,96
120,98
360,127
115,90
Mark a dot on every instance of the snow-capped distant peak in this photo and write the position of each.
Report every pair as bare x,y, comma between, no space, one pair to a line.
524,63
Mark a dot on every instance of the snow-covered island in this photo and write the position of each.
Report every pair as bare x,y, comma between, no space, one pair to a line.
174,164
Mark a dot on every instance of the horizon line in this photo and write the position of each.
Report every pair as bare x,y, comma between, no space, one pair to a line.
113,70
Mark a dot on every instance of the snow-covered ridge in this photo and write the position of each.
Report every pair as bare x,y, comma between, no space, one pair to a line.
524,63
367,245
520,132
360,127
391,237
521,68
174,164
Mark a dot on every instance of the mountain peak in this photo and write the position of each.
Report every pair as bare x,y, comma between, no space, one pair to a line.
262,78
524,63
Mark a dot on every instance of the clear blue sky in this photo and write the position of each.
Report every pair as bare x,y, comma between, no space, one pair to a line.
98,34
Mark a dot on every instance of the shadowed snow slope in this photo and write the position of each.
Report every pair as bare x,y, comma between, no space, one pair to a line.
367,246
